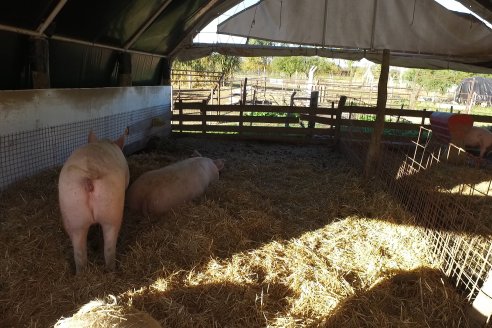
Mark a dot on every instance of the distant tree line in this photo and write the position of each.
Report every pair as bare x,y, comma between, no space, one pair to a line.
438,81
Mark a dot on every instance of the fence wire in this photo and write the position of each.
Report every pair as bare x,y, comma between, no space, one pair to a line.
449,193
26,153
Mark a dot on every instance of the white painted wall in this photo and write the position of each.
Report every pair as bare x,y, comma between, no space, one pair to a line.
27,110
37,129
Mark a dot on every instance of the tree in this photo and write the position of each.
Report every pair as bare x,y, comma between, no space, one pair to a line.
291,65
435,80
213,63
257,64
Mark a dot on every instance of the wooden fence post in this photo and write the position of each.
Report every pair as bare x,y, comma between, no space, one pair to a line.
291,105
338,122
374,151
313,104
203,112
423,116
39,62
244,91
180,111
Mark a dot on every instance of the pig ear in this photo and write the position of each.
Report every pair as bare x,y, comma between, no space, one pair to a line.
219,163
196,154
120,142
92,137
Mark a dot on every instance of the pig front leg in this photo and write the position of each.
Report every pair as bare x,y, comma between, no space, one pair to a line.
110,232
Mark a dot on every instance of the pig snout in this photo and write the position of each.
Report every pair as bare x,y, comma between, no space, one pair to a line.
157,191
479,137
91,190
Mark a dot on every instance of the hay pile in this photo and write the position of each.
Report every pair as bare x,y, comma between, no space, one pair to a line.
108,313
288,237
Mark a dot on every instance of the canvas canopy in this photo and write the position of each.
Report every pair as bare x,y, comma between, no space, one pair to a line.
416,32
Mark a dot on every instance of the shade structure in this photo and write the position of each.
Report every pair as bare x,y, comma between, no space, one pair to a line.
417,29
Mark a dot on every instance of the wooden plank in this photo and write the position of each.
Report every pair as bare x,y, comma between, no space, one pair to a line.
261,137
388,125
389,111
254,108
318,119
234,118
253,129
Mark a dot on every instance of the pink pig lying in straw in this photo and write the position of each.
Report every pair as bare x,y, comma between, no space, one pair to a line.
91,189
157,191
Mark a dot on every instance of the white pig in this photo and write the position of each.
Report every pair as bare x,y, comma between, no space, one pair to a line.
479,137
157,191
91,190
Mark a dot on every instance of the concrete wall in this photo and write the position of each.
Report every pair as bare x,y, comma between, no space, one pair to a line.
40,128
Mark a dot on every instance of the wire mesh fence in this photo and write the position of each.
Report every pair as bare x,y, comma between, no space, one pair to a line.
26,153
449,193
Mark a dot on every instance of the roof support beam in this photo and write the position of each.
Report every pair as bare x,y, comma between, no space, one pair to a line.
478,8
200,14
18,30
104,46
144,27
44,25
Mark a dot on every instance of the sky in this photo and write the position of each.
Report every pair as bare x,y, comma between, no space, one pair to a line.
209,33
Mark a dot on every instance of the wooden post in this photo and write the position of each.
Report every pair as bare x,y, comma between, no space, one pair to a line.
469,99
244,91
313,104
423,116
180,115
39,61
241,113
218,94
338,122
481,309
124,69
374,151
290,114
203,112
166,71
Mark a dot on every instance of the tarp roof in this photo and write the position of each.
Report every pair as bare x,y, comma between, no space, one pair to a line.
419,33
86,36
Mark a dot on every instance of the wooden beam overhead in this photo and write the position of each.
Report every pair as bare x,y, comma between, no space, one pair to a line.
478,8
44,25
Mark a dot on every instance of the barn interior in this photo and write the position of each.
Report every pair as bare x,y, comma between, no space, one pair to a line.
329,225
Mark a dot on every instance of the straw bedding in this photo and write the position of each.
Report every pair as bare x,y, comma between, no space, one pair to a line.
290,236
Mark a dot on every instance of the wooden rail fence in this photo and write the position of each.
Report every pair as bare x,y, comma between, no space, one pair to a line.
294,123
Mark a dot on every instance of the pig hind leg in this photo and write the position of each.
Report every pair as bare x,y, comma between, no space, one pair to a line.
79,244
77,226
110,232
